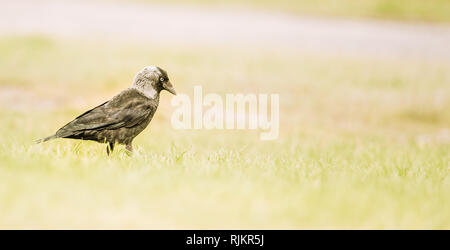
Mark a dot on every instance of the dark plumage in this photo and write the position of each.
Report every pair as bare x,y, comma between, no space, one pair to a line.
122,118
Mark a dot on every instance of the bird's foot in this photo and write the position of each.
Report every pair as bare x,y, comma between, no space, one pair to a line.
109,148
129,149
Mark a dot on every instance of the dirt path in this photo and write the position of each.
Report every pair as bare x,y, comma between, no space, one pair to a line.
206,26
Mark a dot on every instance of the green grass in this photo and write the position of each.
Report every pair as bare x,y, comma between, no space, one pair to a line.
364,142
411,10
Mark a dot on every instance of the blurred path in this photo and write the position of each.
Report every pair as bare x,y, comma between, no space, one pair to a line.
208,26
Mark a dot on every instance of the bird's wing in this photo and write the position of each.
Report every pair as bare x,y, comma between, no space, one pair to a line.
127,109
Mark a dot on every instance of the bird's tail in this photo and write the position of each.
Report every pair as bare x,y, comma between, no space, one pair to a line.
46,139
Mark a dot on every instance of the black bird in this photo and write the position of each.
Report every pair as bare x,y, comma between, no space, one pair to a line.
122,118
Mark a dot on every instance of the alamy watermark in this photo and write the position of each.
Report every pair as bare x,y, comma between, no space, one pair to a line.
229,114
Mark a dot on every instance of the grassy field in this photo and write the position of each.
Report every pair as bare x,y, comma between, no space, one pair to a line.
410,10
364,142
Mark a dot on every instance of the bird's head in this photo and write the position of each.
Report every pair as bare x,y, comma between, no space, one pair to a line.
151,80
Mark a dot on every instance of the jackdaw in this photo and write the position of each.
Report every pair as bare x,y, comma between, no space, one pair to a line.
122,118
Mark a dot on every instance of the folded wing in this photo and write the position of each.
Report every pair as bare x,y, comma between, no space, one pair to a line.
127,109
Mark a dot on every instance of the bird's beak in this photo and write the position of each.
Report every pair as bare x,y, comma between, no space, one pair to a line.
168,86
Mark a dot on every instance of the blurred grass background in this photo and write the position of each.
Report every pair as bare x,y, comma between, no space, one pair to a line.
411,10
364,141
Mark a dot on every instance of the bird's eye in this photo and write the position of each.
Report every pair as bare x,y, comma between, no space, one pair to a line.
161,79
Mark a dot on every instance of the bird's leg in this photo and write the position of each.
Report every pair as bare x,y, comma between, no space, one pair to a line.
109,148
129,148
